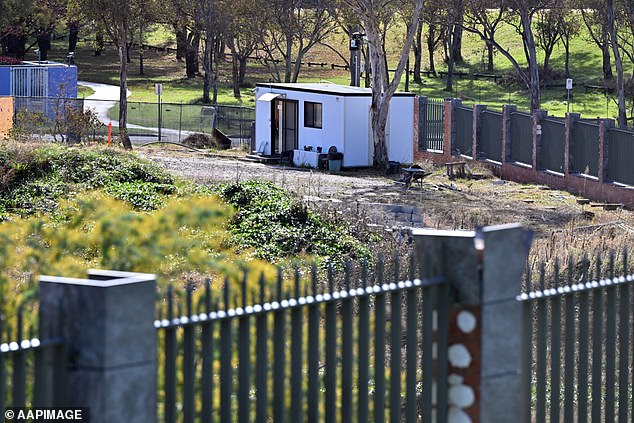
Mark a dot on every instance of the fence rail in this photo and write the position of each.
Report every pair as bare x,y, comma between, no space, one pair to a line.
434,125
578,348
173,123
353,354
24,362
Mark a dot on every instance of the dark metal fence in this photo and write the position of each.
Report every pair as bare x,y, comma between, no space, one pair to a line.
355,352
553,144
522,138
578,347
174,122
23,362
620,155
490,136
464,131
585,158
433,132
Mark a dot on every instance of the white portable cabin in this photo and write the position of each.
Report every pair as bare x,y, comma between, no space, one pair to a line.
295,116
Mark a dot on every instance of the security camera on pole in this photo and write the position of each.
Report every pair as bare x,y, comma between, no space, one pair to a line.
568,89
356,40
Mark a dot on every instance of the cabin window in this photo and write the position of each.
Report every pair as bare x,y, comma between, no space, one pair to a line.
312,114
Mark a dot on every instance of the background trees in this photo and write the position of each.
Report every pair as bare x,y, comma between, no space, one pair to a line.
372,14
220,41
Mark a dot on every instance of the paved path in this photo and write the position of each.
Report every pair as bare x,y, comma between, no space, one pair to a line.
106,97
103,99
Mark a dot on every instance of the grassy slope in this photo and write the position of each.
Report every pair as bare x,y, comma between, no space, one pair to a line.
163,67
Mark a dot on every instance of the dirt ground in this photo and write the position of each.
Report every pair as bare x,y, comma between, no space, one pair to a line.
562,226
447,204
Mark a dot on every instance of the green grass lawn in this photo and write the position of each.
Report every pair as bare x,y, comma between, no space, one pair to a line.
162,67
83,91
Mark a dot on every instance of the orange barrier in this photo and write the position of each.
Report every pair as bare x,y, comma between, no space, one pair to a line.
109,133
6,115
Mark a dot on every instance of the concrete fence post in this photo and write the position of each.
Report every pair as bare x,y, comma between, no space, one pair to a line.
111,341
604,146
507,109
569,148
477,123
484,270
538,117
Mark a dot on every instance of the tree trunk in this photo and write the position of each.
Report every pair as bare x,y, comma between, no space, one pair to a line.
242,70
128,47
567,53
123,88
218,55
141,51
417,46
99,43
531,57
16,45
379,111
431,47
452,40
44,45
618,62
547,54
191,55
605,54
288,66
235,70
181,43
73,36
457,44
383,88
207,69
490,67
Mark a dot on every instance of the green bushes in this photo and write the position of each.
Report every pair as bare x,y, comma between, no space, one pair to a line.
276,225
33,178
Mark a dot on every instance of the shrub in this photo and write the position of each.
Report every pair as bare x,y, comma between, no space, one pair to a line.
278,226
185,238
33,178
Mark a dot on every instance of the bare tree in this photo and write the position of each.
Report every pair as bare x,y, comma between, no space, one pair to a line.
241,37
570,26
417,47
435,32
289,29
452,21
520,15
372,14
610,9
488,14
595,20
116,17
548,33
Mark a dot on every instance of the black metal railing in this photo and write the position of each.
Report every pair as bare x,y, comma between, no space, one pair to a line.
578,347
353,353
32,370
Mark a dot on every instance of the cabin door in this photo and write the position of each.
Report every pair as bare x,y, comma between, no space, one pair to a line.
284,128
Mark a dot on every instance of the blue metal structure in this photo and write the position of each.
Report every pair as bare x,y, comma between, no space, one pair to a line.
39,79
